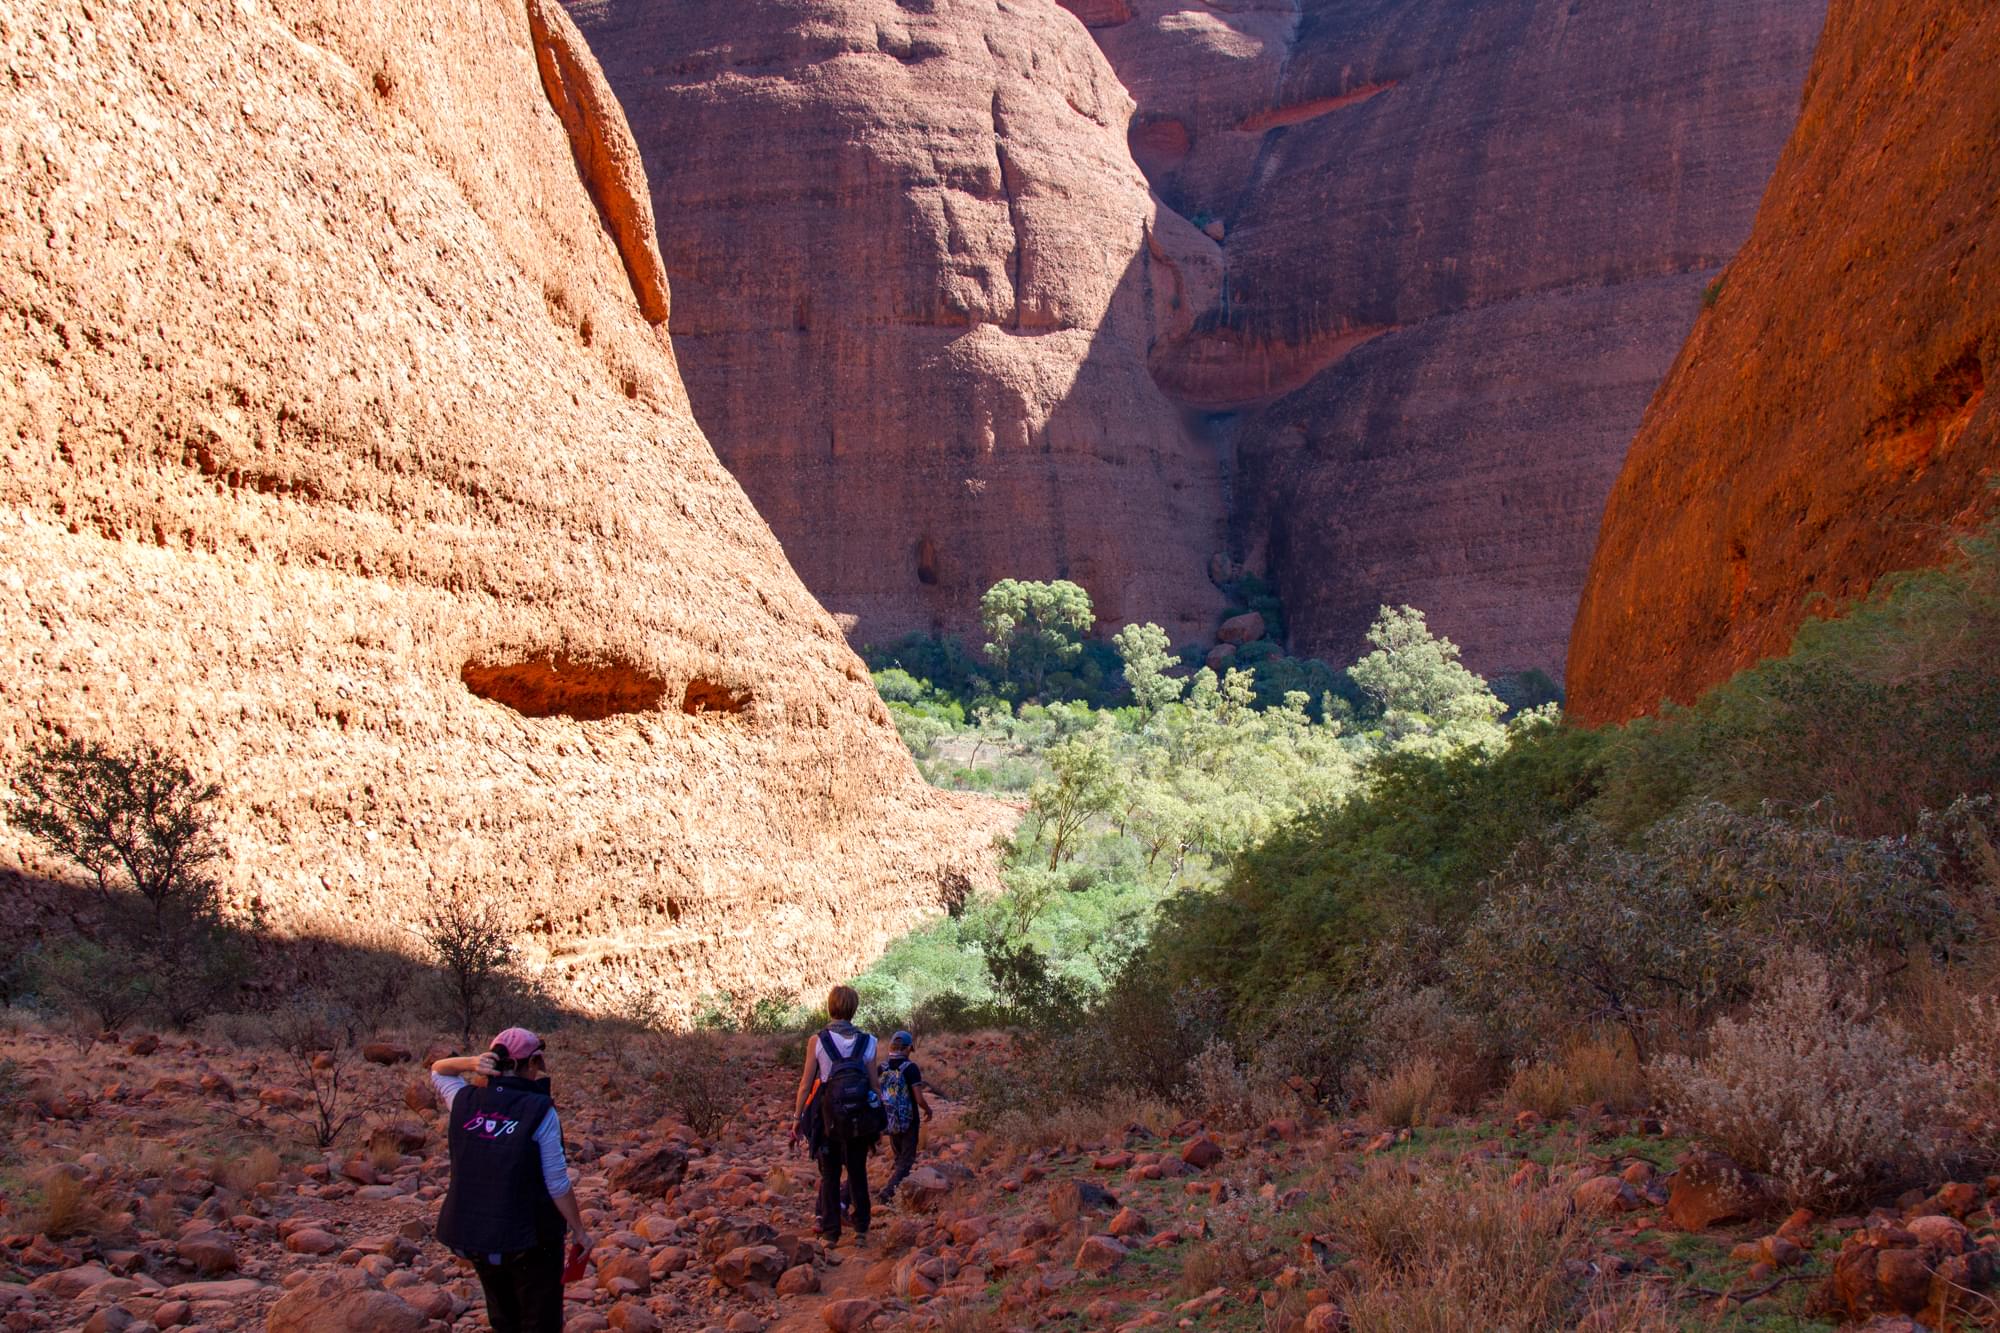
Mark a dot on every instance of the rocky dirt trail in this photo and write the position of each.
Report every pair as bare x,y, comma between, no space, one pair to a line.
171,1184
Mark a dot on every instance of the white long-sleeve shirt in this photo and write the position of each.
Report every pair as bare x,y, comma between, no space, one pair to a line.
548,1136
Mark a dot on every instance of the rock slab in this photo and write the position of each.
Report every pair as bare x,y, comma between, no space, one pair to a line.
1828,420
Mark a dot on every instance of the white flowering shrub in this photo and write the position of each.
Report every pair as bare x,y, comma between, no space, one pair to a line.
1813,1090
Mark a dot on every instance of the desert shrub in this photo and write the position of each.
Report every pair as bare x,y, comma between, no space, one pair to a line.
1402,1020
317,1036
20,951
110,984
1224,1092
1887,711
1587,1070
137,819
767,1015
142,825
1874,901
240,1030
1970,1068
1236,1253
469,933
1581,930
1073,1124
1137,1041
949,1011
696,1078
1813,1090
204,962
377,980
1311,1043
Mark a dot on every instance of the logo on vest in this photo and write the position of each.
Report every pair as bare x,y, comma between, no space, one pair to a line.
490,1126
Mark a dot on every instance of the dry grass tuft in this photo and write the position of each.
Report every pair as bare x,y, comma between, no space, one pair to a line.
1080,1125
1443,1247
158,1213
1587,1071
64,1206
1411,1094
245,1172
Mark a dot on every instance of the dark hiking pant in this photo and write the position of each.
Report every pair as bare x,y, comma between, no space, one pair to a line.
851,1156
524,1292
904,1145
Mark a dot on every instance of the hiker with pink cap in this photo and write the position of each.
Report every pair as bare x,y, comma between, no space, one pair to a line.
510,1201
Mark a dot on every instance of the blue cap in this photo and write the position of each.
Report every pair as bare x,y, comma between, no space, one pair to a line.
902,1039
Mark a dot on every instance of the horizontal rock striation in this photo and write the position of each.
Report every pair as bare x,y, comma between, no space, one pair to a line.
916,277
1830,419
342,455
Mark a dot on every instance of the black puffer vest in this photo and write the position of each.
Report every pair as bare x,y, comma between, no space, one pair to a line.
498,1202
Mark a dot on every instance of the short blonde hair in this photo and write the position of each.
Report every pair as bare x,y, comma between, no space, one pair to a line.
841,1002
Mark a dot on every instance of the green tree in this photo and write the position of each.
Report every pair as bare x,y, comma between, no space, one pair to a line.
1423,689
142,825
470,933
134,818
1147,656
1034,628
1082,784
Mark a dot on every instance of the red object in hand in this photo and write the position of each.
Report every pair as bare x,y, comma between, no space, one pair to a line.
577,1264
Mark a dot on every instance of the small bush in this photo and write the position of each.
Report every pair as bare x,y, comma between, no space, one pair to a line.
318,1036
1310,1043
1221,1092
1403,1021
697,1079
1970,1069
108,983
469,932
1079,1124
1811,1090
377,980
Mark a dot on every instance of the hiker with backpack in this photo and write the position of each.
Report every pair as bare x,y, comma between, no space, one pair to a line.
904,1106
509,1202
839,1110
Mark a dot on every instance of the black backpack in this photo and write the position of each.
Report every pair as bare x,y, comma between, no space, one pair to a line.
848,1107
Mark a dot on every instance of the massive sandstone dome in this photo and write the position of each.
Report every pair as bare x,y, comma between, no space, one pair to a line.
345,454
1829,420
1408,273
916,274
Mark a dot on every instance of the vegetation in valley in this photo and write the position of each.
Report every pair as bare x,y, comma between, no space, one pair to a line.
1404,894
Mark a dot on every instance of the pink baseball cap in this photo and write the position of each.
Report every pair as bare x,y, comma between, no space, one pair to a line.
517,1042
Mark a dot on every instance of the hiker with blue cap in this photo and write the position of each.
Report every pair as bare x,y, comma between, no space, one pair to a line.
906,1106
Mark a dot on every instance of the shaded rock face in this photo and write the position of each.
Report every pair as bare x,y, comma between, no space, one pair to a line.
1829,419
1461,243
344,456
916,276
1417,268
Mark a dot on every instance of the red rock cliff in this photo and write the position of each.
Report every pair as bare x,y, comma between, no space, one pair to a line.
916,274
1461,242
1828,420
343,454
